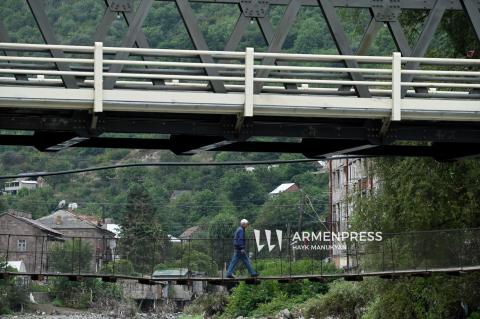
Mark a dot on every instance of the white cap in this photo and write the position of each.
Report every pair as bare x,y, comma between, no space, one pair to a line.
243,222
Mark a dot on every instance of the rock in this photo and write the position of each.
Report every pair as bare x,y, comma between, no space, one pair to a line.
239,317
284,314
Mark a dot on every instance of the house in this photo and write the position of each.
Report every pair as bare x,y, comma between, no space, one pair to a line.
286,187
26,240
101,240
20,183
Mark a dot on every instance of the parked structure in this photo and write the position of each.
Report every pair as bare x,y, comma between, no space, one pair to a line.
347,177
101,240
23,239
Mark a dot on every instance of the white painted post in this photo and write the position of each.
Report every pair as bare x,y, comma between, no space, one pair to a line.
396,86
249,74
98,77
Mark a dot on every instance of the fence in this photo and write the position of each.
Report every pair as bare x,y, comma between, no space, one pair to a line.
281,255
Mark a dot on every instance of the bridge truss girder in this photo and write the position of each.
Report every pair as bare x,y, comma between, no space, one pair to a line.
211,132
382,12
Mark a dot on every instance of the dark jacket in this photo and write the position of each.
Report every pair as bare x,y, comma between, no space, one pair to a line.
239,238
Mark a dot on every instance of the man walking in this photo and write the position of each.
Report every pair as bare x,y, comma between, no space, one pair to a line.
239,244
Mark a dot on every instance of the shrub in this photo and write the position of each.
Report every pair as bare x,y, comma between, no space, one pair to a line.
474,315
83,294
13,297
424,298
119,267
207,305
343,300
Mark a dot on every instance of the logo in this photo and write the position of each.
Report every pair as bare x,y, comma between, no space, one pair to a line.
315,240
268,235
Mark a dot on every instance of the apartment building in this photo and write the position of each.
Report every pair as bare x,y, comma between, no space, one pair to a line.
347,177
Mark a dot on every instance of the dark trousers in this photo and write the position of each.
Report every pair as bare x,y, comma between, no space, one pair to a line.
239,256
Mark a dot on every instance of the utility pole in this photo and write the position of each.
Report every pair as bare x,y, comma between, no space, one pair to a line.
301,211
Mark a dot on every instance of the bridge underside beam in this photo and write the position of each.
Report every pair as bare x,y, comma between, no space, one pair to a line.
187,145
224,126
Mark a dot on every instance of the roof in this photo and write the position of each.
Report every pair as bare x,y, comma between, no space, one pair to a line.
114,228
171,272
173,239
281,188
91,219
188,233
29,182
63,219
35,224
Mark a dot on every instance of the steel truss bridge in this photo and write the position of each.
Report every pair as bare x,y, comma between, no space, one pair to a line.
316,105
453,252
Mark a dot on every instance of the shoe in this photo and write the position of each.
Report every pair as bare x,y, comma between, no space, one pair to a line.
255,275
230,276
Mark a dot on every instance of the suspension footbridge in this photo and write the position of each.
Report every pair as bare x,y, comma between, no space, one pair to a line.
452,252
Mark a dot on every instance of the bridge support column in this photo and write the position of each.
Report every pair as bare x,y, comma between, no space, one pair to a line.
249,81
98,77
396,86
97,84
249,89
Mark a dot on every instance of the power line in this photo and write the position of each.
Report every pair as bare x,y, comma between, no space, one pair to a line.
171,164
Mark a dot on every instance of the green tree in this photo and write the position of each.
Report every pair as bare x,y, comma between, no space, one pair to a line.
71,256
13,297
245,191
141,238
280,211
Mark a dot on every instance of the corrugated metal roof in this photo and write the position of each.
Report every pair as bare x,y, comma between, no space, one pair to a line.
188,233
114,228
29,182
281,188
178,272
63,219
39,225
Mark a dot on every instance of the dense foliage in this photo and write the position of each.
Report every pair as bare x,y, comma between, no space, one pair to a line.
13,293
414,194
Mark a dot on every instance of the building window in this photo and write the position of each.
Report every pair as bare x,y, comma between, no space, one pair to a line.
21,245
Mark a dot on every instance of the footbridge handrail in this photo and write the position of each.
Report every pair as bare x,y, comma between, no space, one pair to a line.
253,81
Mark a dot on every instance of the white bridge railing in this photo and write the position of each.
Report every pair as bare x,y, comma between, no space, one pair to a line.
164,80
